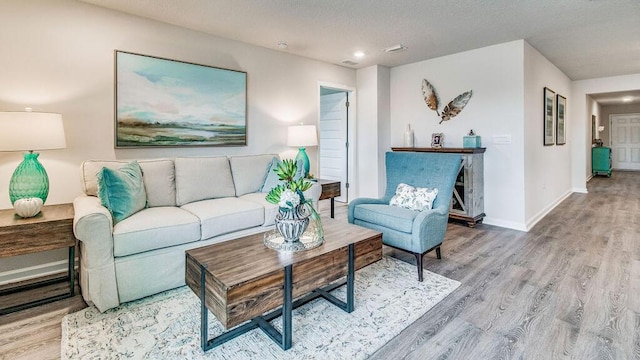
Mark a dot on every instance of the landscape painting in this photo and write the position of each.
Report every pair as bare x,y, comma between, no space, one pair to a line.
162,102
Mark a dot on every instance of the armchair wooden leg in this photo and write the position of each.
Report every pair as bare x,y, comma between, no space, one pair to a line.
438,255
419,261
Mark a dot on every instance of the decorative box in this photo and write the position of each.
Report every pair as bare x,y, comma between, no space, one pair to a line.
471,141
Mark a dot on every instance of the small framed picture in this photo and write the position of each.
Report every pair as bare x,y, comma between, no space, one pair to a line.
561,109
437,139
549,107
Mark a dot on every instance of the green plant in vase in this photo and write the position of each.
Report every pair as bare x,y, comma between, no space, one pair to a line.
294,209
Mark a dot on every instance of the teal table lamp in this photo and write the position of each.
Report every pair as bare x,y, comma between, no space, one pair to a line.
302,136
29,131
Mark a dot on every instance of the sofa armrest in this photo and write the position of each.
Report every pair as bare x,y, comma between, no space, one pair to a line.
314,193
360,201
93,225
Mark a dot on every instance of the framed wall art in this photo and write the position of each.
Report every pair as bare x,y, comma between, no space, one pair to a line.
594,130
162,102
561,127
437,140
549,116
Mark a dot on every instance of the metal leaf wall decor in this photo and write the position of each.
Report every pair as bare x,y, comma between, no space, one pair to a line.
453,108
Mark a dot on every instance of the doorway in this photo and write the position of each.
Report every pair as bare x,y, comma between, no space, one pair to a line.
335,125
625,141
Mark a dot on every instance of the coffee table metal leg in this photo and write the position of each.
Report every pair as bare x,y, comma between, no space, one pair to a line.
204,315
351,274
287,307
283,339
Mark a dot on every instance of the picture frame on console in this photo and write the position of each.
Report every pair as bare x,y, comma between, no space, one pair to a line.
437,139
549,116
561,111
169,103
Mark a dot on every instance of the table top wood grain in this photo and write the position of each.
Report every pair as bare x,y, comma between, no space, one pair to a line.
51,229
243,260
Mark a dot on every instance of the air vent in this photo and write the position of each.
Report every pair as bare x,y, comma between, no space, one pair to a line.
395,48
349,62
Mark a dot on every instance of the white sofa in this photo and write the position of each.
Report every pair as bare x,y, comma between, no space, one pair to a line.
191,202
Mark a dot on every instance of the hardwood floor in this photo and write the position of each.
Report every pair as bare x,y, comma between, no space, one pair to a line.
569,288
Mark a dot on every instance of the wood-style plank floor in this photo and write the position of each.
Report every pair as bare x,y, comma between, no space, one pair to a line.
569,288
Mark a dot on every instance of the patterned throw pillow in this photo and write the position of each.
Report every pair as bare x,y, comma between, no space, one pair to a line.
413,198
404,196
424,198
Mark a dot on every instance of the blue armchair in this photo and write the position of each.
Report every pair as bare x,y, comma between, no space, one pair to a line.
417,232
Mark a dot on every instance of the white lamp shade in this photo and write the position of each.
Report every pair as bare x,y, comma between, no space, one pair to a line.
302,135
24,131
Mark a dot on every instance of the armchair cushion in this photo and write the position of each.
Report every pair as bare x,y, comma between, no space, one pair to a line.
393,217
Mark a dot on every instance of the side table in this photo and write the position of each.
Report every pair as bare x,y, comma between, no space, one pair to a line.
330,190
51,229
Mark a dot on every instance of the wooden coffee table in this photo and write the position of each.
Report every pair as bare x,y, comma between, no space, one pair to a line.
244,279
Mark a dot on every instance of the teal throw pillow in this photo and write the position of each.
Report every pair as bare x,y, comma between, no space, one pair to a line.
122,190
271,180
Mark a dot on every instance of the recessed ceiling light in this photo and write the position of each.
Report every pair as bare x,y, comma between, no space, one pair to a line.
627,99
358,54
282,45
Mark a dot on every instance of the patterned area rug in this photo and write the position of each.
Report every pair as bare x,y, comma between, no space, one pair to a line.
388,298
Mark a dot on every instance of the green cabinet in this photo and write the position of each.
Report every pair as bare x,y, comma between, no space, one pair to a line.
601,160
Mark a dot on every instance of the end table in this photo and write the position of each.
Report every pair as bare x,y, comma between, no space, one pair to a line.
330,190
51,229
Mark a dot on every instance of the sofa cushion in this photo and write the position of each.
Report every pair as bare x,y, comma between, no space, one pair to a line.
270,210
249,172
393,217
89,171
159,182
154,228
225,215
157,174
122,190
201,178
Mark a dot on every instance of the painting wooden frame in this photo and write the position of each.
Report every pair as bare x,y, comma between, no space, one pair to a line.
437,139
561,120
549,108
167,103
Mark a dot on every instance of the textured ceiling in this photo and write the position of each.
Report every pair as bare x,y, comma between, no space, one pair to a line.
584,38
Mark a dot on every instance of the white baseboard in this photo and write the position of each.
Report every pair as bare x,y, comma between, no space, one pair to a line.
33,272
580,190
505,224
540,215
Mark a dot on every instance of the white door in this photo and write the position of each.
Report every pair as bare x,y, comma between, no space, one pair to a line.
333,140
625,141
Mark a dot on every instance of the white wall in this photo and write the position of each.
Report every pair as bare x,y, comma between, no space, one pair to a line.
547,170
579,107
495,74
372,130
57,56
